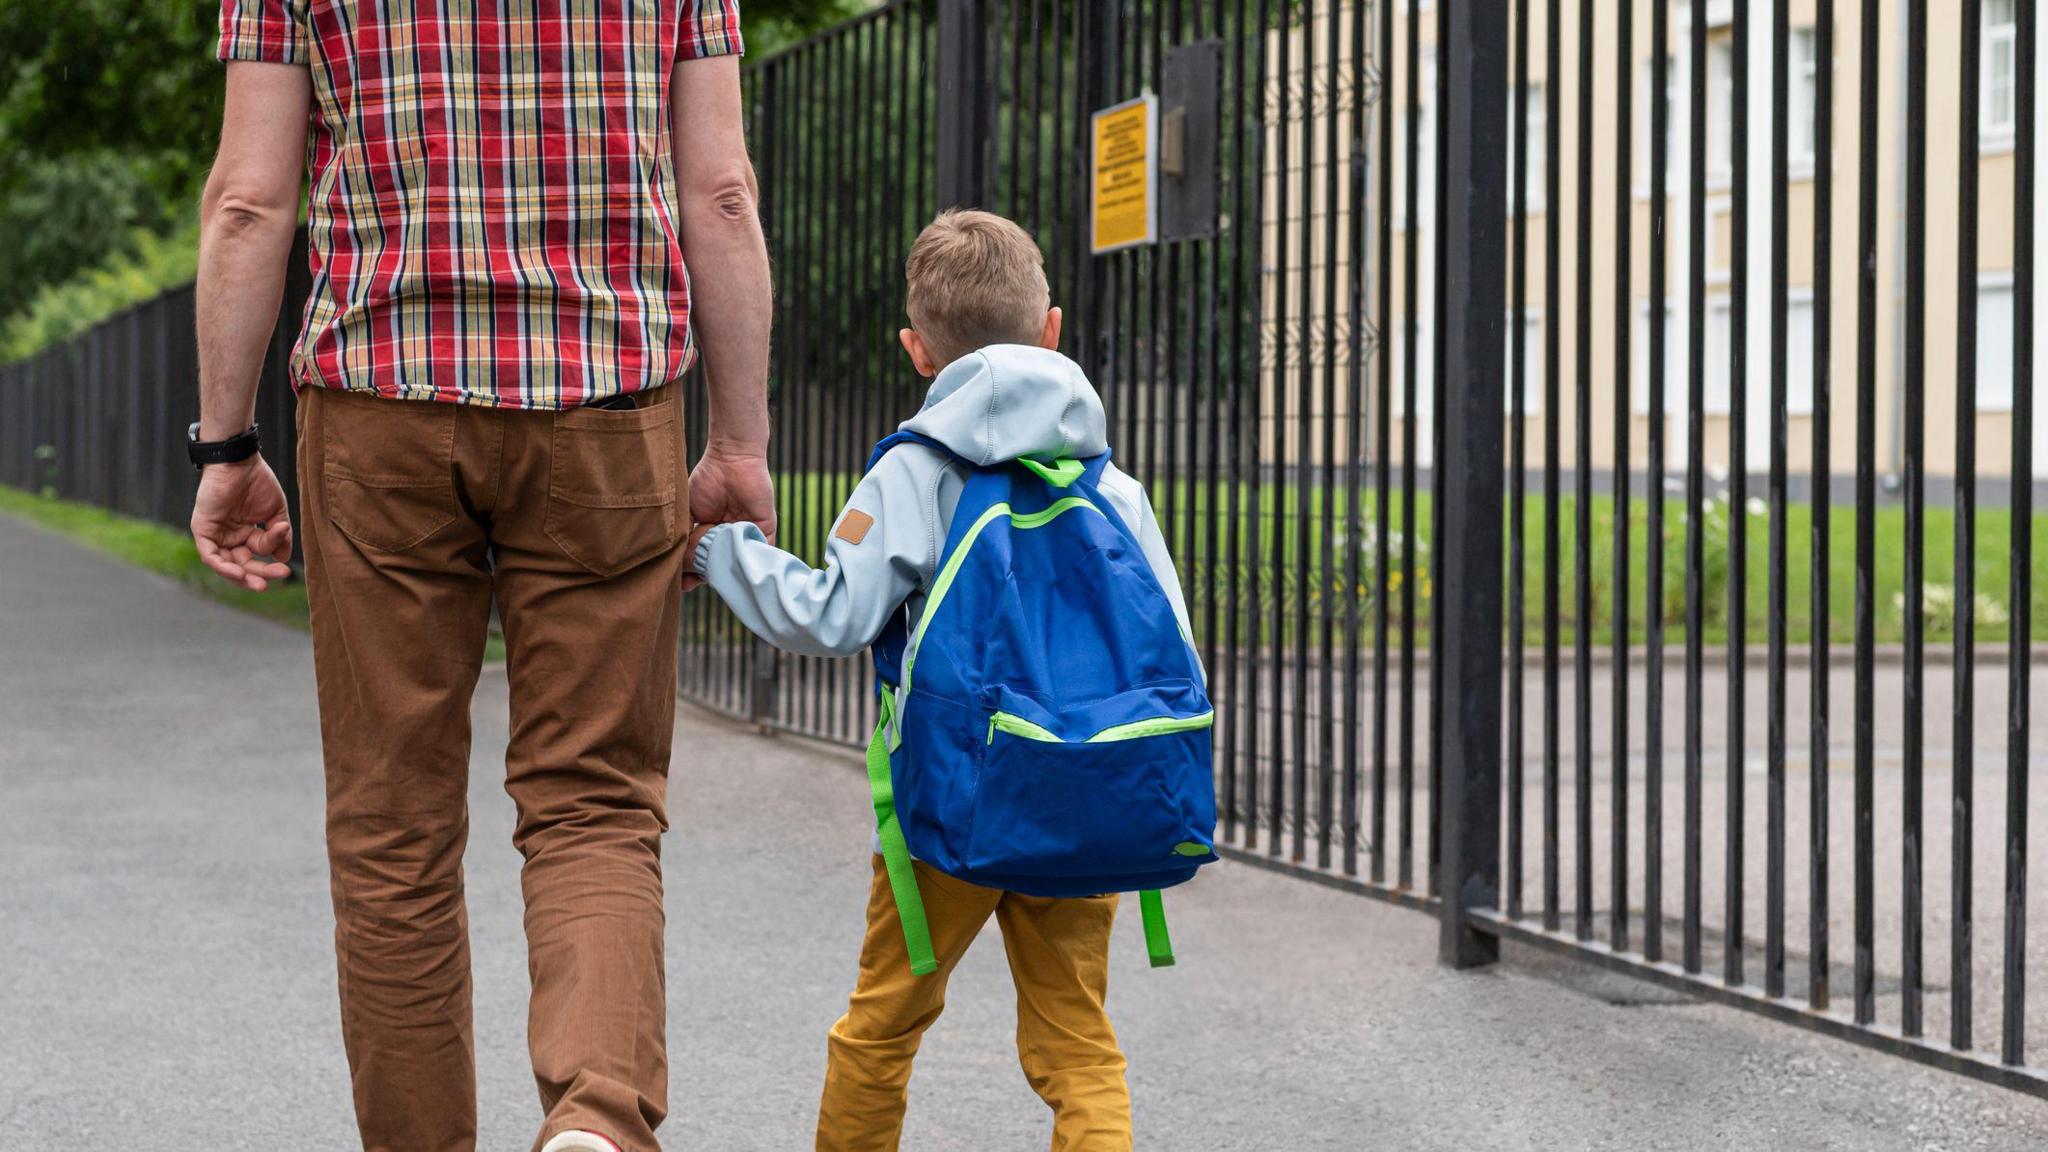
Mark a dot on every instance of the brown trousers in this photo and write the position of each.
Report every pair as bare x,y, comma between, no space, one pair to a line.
417,517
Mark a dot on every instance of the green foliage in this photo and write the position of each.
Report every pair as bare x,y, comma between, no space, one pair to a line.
146,265
772,25
109,110
1714,573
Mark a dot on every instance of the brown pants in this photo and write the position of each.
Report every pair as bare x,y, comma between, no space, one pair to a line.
417,516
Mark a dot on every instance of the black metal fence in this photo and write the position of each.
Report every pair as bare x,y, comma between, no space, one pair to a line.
1413,250
1976,61
1234,366
101,418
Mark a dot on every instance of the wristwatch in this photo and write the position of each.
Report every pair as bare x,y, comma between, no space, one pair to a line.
232,450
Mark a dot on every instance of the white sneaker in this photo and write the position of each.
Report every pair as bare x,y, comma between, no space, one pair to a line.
576,1140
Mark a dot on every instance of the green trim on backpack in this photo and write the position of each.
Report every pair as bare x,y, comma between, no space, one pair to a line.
917,934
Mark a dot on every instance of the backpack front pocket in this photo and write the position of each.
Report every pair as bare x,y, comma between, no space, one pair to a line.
1116,787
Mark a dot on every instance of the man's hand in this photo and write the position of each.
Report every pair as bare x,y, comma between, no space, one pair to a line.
239,518
729,485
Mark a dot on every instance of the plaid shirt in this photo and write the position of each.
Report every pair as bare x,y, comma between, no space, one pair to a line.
491,219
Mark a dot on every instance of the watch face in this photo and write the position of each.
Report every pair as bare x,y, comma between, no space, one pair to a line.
192,433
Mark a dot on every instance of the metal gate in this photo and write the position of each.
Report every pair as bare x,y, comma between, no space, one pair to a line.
1235,365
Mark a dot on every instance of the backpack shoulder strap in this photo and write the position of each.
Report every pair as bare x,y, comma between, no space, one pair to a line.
917,936
893,439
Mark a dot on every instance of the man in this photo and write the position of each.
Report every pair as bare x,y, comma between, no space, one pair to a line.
505,198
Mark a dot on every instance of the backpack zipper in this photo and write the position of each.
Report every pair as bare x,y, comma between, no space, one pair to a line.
1135,730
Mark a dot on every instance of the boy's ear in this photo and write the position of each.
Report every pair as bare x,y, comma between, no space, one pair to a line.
1050,339
920,356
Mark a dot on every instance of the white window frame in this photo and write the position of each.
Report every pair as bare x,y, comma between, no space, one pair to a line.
1677,369
1674,353
1539,140
1720,116
1797,301
1998,135
1420,122
1532,358
2000,283
1805,95
1675,154
1720,327
1720,206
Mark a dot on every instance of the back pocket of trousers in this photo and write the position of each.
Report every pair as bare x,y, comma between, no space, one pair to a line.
612,488
387,468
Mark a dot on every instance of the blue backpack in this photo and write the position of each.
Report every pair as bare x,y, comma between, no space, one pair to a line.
1044,730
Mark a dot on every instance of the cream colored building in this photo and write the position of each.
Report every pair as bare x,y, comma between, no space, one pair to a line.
1611,198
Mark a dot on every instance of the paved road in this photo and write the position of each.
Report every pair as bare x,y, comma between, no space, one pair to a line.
166,984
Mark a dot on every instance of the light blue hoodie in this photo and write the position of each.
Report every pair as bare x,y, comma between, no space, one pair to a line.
1003,402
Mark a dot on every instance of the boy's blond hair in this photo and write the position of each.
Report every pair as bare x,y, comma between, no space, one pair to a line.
975,279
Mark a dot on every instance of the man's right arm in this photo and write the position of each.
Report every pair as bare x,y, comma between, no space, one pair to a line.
247,215
731,301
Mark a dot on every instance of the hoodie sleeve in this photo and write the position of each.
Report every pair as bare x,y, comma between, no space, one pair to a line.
881,551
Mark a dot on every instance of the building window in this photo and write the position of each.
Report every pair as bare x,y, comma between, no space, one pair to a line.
1532,364
1805,98
1720,113
1674,356
2000,64
1678,369
1720,323
1799,356
1994,344
1674,127
1539,135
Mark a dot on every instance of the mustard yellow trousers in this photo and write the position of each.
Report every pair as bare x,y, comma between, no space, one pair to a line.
1059,959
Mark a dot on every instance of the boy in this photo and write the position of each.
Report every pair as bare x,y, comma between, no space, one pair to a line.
983,328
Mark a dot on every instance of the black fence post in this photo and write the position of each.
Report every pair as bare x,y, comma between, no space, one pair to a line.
963,101
1098,79
1474,233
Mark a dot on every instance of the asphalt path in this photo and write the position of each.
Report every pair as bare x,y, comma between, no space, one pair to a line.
166,981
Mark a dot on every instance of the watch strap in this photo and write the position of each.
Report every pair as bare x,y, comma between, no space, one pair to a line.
232,450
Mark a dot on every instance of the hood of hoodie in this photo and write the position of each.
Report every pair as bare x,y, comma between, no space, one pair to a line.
1012,400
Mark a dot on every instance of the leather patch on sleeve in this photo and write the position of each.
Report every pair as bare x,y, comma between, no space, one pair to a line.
853,527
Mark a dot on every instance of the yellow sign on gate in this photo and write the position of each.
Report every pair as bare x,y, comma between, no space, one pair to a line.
1124,192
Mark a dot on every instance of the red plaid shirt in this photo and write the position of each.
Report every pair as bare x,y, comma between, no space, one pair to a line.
492,219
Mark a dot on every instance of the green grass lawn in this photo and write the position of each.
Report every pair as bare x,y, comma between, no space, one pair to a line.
1289,518
1275,514
170,553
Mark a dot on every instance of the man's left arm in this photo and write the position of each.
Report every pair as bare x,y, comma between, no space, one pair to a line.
247,215
731,301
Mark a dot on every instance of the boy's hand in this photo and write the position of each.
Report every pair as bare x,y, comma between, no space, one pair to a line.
730,485
691,580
